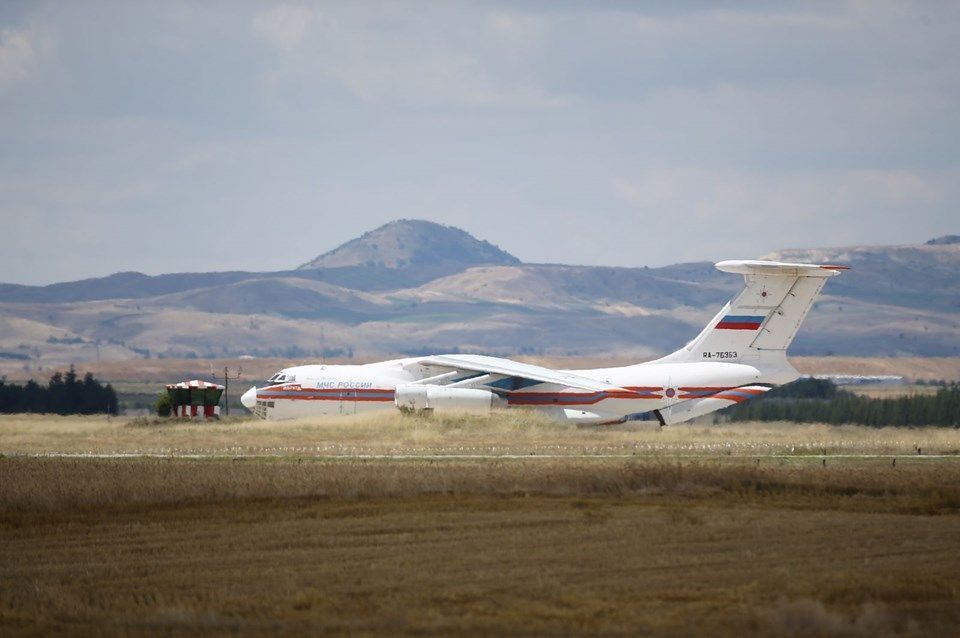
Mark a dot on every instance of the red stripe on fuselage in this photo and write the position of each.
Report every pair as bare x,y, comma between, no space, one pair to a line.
718,393
326,394
269,397
736,394
564,398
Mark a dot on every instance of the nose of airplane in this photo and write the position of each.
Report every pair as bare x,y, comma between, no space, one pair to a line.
249,398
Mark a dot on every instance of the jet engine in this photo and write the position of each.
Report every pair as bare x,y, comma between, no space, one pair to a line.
413,396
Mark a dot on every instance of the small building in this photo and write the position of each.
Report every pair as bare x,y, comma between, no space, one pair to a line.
193,399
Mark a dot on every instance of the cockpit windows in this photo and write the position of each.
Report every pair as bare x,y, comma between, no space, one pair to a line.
282,377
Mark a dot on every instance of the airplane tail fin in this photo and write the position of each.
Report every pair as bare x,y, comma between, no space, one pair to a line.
759,323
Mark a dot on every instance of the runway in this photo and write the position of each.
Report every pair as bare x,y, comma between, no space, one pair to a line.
464,457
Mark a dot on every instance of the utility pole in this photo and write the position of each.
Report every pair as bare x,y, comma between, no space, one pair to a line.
226,386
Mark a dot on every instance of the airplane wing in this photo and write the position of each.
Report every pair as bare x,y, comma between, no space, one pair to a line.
509,368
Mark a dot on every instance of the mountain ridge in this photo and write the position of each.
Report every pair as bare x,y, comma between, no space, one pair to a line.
897,300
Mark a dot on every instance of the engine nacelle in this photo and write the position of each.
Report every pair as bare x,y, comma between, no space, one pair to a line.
414,396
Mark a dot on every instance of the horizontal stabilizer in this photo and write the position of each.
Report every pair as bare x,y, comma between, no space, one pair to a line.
753,267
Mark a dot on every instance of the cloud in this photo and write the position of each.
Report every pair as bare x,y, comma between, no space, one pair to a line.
377,73
20,53
284,26
452,56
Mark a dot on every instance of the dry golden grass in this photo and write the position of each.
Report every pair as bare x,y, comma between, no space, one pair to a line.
510,433
928,368
911,486
533,546
892,391
167,370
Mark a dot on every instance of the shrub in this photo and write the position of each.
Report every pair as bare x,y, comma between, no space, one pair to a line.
163,405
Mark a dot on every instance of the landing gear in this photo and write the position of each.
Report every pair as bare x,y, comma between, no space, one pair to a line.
659,416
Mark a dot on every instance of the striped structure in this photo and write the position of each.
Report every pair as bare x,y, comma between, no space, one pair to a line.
190,399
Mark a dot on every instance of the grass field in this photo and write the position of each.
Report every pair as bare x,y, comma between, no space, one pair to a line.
477,526
512,433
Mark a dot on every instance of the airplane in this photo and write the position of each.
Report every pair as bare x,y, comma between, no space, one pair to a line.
739,355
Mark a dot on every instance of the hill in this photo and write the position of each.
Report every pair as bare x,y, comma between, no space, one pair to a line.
413,245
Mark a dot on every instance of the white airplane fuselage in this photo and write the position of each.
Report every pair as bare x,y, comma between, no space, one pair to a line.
740,354
323,390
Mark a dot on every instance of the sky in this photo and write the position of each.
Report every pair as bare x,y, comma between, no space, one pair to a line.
198,136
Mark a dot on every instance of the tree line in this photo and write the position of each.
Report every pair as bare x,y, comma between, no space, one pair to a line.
64,394
819,401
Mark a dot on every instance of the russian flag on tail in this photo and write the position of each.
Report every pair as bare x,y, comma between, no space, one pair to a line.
740,322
